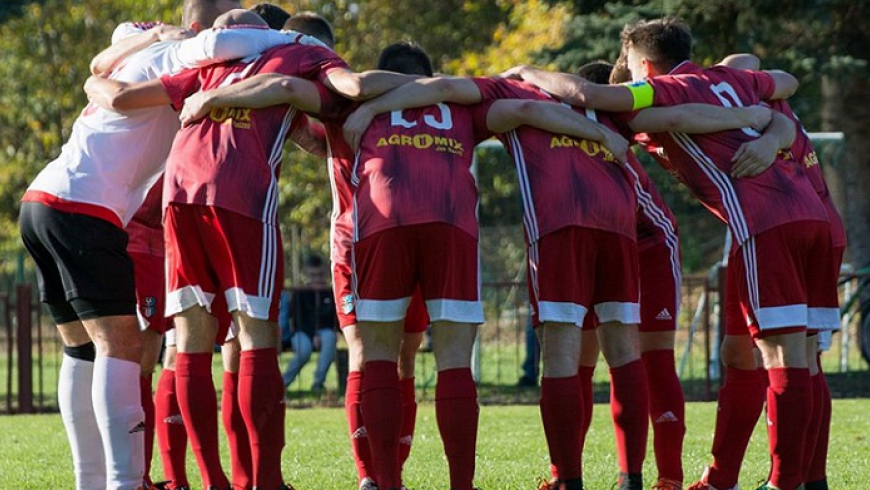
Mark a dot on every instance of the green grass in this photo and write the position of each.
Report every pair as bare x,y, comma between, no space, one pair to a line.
511,450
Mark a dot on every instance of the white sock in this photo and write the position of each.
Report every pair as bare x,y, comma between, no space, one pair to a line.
118,408
77,412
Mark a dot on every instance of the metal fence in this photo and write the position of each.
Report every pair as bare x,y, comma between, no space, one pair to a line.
30,350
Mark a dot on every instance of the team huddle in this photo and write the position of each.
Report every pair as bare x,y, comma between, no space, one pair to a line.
160,216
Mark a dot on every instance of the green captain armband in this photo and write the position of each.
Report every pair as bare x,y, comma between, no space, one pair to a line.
642,93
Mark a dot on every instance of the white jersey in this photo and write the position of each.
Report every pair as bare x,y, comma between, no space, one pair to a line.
111,160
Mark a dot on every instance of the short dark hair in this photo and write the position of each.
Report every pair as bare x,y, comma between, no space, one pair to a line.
405,57
313,25
274,15
596,72
204,11
666,42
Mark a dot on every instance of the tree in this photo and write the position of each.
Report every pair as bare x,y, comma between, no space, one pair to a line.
45,49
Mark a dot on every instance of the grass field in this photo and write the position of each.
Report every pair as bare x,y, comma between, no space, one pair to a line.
511,450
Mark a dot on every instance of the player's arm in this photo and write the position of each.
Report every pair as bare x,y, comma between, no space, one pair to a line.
122,96
311,137
741,61
785,83
109,59
419,93
699,118
754,157
578,91
364,85
257,92
507,114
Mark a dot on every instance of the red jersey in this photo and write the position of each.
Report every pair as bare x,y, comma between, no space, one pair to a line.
340,160
749,206
145,229
231,159
414,167
804,155
564,181
656,222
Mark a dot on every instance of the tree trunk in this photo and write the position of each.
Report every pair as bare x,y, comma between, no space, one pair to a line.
854,122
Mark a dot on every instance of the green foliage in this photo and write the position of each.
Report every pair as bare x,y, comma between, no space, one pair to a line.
445,28
44,57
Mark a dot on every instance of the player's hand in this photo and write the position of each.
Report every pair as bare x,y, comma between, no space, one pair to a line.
195,108
356,124
167,32
515,73
759,117
617,145
753,157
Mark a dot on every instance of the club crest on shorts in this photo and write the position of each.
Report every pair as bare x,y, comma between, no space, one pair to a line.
347,304
150,306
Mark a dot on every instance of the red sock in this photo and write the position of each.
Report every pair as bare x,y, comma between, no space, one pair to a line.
382,408
822,401
629,404
457,413
789,404
585,373
169,428
241,466
148,408
666,412
562,414
197,401
359,440
741,400
409,419
813,426
261,401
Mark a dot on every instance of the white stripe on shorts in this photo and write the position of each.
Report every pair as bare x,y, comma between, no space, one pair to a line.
381,310
561,312
616,311
187,297
823,318
781,316
253,306
454,310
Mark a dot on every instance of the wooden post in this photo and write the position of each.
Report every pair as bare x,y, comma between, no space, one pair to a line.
24,314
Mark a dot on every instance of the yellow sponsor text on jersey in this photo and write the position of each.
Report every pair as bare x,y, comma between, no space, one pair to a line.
423,141
591,148
240,117
811,160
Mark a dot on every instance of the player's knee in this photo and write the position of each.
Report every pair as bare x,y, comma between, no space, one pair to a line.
738,353
84,352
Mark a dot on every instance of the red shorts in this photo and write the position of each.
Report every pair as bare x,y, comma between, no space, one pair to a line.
150,273
439,259
661,281
784,273
574,270
416,318
222,261
736,322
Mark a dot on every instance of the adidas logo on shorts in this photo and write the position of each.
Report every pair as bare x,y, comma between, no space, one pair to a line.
664,315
